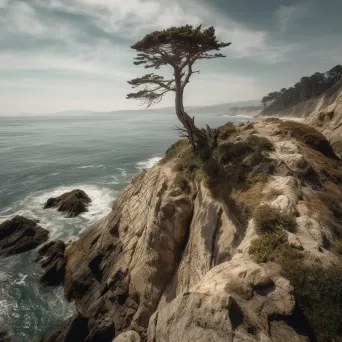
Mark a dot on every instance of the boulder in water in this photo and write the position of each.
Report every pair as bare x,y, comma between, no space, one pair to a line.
20,235
73,203
52,260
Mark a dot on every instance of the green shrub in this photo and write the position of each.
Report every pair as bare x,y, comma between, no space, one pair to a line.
268,219
336,248
265,248
226,130
174,150
318,294
260,143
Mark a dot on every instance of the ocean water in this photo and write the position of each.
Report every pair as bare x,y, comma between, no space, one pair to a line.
44,156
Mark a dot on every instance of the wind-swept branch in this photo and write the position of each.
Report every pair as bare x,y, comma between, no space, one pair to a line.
150,94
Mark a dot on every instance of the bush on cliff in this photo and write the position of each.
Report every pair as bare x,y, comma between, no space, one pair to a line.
265,248
268,219
317,290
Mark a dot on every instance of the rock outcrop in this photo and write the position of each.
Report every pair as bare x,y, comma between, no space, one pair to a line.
327,117
72,203
324,113
179,258
53,262
20,235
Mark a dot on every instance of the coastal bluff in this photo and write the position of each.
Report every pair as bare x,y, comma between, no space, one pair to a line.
215,251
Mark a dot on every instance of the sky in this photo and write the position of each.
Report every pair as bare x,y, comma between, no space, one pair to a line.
60,55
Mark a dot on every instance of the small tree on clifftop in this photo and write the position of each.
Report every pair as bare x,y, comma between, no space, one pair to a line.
180,48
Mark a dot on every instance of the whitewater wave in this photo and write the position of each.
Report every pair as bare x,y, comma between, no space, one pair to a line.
58,225
92,166
147,164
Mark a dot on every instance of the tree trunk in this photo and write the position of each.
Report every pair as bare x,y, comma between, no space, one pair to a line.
202,141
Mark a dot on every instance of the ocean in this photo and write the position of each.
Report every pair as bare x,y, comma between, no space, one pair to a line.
45,156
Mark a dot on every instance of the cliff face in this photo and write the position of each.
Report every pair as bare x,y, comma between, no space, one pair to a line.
173,260
324,113
327,117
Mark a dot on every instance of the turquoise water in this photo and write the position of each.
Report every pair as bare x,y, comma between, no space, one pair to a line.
41,157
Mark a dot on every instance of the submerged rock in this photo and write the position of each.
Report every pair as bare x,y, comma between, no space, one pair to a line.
73,203
53,261
20,235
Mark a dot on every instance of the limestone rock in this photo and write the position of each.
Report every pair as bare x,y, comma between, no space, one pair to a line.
20,235
72,203
128,336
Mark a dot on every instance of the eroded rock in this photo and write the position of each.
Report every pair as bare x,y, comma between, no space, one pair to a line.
72,203
53,262
20,235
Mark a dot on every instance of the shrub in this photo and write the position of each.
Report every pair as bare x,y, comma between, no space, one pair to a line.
226,130
268,219
175,149
249,152
265,248
259,143
318,294
336,248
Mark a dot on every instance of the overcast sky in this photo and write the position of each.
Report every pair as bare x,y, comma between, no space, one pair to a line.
75,54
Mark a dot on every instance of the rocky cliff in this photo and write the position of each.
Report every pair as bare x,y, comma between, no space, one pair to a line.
324,113
216,251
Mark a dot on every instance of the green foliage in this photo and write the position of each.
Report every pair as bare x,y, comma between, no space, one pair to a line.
305,89
266,247
188,164
318,294
250,152
187,38
268,219
178,47
175,149
337,248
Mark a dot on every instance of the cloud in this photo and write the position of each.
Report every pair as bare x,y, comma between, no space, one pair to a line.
20,18
64,51
291,14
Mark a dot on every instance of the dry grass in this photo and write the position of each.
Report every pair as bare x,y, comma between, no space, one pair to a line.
248,199
307,135
325,168
273,120
326,207
226,131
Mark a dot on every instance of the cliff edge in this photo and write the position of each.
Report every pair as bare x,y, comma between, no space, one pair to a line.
216,251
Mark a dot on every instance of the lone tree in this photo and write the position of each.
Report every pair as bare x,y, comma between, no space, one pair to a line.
178,47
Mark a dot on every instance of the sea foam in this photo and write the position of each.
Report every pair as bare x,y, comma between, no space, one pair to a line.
147,164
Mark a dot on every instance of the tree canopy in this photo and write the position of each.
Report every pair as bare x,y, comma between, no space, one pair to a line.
305,89
178,47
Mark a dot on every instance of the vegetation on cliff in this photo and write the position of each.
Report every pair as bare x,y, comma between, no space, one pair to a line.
307,88
178,48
